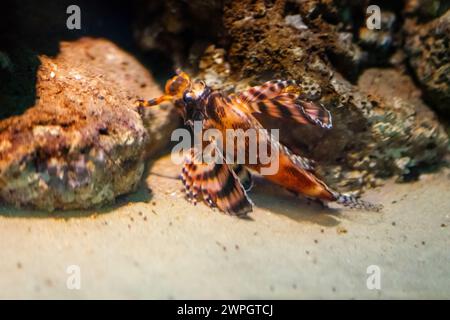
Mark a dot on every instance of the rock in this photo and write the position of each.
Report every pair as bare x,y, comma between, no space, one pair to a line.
179,29
18,69
381,40
377,132
427,47
83,142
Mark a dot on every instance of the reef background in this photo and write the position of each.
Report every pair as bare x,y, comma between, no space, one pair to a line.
388,89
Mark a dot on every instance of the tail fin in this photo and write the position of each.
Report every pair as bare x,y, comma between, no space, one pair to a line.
355,203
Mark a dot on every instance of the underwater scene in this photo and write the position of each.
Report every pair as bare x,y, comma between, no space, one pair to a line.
225,149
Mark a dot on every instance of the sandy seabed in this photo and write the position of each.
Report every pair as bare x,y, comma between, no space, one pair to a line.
157,245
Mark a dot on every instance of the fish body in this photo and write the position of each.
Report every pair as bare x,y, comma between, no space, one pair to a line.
294,172
224,184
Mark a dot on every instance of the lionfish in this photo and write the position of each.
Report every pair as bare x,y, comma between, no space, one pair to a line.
224,185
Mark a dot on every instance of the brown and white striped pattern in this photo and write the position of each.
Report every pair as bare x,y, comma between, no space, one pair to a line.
353,202
268,90
216,183
244,176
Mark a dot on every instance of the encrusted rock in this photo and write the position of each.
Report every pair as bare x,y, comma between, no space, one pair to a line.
407,132
377,132
428,49
83,142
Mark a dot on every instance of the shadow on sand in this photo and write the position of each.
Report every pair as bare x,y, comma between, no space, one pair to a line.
271,197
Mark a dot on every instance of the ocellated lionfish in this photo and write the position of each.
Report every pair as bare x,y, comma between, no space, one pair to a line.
225,185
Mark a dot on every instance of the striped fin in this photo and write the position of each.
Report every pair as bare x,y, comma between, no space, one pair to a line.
353,202
244,176
280,99
268,90
216,183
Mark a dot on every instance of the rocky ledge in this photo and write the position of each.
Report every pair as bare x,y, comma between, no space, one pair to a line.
83,142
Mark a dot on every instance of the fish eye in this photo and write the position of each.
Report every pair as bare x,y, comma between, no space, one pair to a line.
188,98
